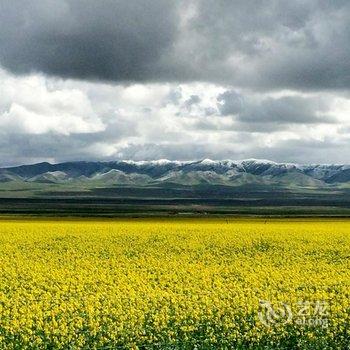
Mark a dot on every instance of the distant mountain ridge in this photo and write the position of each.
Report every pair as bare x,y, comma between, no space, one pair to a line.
206,171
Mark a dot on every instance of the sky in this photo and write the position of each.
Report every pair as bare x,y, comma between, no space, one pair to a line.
175,79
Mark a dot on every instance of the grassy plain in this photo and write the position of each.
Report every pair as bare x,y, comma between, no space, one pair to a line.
175,284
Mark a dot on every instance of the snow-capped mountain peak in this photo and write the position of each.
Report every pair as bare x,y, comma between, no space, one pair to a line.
227,172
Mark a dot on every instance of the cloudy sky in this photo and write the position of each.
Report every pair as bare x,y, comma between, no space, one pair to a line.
176,79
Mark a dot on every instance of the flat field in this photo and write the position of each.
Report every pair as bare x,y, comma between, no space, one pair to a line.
175,284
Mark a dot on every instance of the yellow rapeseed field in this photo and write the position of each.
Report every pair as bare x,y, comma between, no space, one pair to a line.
175,284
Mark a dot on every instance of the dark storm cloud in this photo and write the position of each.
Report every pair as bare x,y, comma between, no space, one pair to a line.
260,44
289,109
274,111
87,39
275,44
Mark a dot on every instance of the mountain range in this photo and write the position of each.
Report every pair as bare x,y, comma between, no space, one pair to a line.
163,187
186,173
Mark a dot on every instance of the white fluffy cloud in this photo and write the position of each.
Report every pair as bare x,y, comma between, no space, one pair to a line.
30,106
43,118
